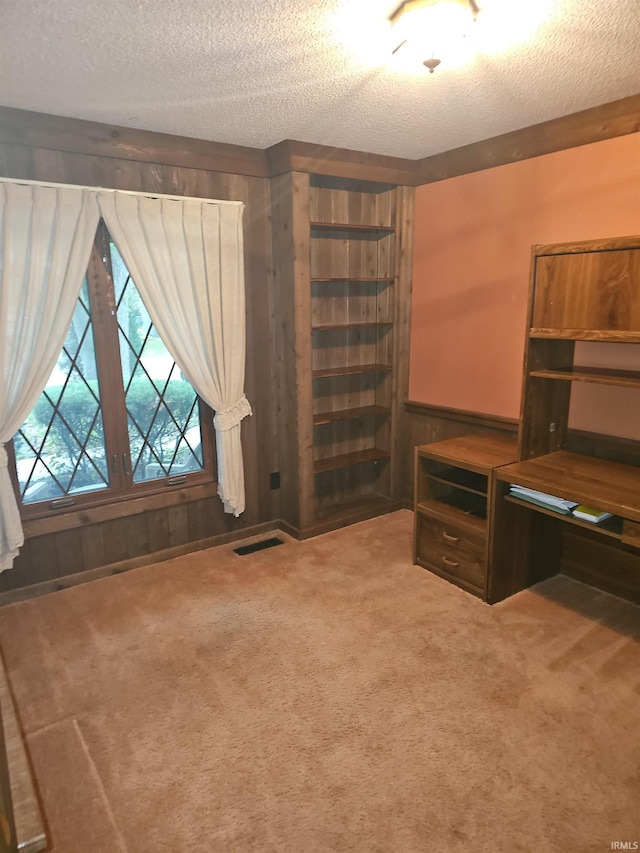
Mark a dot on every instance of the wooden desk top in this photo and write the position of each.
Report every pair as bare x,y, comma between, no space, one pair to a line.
610,486
480,453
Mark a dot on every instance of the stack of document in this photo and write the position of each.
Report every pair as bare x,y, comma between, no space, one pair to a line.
542,499
588,513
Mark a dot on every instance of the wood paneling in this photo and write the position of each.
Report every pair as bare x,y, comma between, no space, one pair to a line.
400,444
292,156
617,118
31,131
40,130
292,312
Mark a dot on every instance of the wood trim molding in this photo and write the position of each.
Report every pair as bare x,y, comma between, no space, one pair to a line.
477,419
292,156
55,585
617,118
76,136
606,244
54,522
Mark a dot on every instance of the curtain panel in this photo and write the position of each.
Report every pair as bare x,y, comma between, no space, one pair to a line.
186,258
46,235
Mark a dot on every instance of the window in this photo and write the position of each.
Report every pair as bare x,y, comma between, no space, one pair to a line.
117,418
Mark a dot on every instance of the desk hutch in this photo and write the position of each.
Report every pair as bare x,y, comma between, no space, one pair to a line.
587,291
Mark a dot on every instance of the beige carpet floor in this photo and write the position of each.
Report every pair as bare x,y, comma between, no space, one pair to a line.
327,696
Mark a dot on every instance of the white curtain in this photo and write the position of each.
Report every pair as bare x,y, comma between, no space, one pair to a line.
186,258
46,234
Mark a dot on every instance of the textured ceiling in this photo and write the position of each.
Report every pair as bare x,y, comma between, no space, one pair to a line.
255,72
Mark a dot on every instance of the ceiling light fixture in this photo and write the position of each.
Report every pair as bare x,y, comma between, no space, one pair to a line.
431,26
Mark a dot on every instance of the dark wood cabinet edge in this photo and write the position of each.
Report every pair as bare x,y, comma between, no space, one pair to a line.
604,244
28,129
477,419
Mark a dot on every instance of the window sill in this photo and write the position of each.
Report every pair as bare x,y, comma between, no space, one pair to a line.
116,508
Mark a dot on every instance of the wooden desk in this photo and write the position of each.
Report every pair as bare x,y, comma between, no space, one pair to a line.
532,543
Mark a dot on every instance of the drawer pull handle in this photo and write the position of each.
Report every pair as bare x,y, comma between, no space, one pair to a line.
449,538
449,562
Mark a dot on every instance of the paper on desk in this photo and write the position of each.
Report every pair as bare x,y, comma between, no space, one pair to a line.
542,497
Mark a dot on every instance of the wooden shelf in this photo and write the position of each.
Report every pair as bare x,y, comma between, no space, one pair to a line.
609,527
447,482
346,460
349,414
364,507
338,229
341,327
606,335
349,370
601,376
355,280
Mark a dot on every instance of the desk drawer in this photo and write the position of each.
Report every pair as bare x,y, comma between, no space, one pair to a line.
455,550
631,533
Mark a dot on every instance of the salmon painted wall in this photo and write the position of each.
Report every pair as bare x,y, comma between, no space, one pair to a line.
473,238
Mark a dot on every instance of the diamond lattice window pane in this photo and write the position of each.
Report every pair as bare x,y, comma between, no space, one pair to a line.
60,448
162,408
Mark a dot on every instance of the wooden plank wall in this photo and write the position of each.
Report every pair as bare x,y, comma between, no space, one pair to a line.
188,518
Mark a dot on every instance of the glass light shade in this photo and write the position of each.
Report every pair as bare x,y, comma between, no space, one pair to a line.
432,29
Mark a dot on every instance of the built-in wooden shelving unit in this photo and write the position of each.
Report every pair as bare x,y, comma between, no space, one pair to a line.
345,460
342,258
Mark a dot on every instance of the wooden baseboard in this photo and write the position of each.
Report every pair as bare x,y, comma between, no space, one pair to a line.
57,584
353,515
